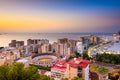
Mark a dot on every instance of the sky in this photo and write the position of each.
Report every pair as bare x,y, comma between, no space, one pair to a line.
58,16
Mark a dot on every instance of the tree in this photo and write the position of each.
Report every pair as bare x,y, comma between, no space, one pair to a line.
77,78
44,77
114,76
64,79
3,72
108,58
85,56
77,54
41,67
16,71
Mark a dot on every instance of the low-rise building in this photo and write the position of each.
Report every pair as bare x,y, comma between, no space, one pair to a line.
75,67
58,71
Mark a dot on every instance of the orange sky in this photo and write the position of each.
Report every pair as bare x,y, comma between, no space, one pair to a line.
33,17
25,23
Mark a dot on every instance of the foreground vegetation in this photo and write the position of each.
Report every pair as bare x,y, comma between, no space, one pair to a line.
75,78
114,76
17,71
108,58
99,69
84,55
41,67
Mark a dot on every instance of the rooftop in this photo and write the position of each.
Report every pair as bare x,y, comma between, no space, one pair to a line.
75,63
79,62
24,60
60,65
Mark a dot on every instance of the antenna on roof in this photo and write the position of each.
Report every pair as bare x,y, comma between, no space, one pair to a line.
75,59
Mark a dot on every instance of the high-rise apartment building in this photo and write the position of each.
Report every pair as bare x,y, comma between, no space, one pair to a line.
94,39
65,46
80,47
37,41
46,48
15,43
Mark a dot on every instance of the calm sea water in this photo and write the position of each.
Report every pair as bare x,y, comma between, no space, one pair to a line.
5,39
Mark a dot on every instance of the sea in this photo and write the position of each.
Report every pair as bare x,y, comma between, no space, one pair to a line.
5,38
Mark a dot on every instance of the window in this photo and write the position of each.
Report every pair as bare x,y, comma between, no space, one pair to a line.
79,72
79,75
79,69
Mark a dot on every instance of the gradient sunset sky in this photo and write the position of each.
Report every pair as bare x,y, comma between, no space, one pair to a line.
59,16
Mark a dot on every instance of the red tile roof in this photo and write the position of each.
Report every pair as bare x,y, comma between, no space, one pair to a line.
75,63
60,65
79,62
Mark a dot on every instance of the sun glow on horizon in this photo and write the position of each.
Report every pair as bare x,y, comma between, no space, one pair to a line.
32,17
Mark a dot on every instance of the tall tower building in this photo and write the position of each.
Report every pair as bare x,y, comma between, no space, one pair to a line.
15,43
94,39
37,41
80,48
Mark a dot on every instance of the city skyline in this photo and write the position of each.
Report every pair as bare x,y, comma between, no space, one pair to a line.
60,16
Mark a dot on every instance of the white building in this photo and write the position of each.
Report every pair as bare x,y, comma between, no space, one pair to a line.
80,47
61,49
46,48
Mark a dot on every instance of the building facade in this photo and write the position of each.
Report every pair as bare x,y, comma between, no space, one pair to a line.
75,67
15,43
80,47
